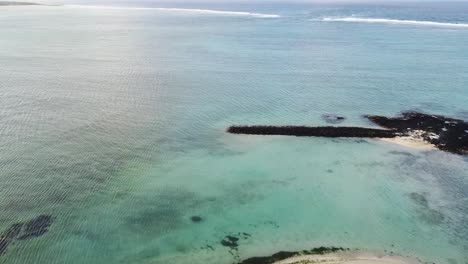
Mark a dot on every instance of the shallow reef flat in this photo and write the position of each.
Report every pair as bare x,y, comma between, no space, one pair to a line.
445,133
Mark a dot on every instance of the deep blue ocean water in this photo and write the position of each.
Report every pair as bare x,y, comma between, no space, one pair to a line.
114,115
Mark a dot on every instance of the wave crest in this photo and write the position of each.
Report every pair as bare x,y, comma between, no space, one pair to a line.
393,21
187,10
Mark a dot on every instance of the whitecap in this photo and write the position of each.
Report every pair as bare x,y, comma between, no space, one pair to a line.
392,21
186,10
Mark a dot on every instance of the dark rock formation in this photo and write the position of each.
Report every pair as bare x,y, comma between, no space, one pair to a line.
333,119
25,230
445,133
287,254
230,241
304,131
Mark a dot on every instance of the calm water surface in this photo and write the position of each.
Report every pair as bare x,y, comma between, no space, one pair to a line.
113,119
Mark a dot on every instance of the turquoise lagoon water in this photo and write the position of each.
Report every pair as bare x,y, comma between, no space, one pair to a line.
113,122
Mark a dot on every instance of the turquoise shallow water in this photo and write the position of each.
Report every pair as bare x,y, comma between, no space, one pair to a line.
113,122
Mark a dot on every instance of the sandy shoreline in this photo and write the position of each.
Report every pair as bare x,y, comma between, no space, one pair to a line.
414,140
348,257
409,142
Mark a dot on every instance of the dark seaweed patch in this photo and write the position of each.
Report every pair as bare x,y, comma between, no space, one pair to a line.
427,213
3,245
181,248
272,223
360,141
13,231
208,247
419,199
245,235
161,214
433,217
231,242
288,254
401,153
196,219
35,227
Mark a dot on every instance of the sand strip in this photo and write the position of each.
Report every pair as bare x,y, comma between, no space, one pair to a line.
349,257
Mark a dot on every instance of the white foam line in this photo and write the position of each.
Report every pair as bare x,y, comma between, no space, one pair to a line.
188,10
392,21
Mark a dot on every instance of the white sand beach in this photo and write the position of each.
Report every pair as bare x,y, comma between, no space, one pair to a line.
348,257
414,140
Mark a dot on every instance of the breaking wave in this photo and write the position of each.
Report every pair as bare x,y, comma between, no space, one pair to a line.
392,21
186,10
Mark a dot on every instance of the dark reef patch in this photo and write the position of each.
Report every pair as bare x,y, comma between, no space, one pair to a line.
13,231
426,212
288,254
419,199
196,219
246,235
447,134
333,119
433,217
231,242
208,247
35,227
165,211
